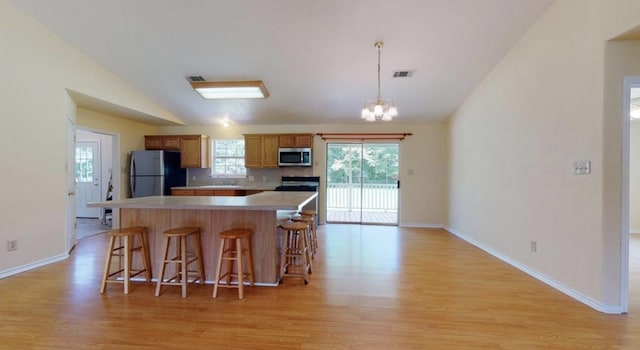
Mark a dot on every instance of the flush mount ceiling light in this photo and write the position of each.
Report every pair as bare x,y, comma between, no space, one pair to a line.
379,109
230,89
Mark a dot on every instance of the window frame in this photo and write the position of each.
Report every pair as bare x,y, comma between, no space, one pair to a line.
213,174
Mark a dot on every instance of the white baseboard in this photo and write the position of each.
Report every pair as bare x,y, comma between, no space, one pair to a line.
609,309
31,266
417,225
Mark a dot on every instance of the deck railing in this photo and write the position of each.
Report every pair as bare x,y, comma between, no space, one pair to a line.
370,196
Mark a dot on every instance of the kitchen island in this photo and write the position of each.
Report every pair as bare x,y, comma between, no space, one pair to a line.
259,212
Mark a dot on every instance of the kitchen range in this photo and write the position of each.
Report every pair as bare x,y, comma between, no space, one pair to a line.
302,184
299,183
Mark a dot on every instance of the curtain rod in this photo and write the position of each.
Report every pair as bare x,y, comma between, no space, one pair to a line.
363,136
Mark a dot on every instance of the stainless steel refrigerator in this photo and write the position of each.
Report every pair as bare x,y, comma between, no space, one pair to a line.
153,173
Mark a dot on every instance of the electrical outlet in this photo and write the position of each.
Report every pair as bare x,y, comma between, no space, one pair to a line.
582,167
534,246
12,245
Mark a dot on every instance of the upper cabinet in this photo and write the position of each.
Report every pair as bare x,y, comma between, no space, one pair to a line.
260,151
270,151
194,149
159,142
295,141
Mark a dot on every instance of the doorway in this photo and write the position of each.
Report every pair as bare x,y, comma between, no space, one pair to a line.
87,178
95,181
362,183
631,189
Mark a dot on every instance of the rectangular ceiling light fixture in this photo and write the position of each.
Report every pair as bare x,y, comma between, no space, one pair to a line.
230,89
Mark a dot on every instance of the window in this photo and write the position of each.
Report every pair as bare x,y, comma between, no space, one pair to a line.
228,158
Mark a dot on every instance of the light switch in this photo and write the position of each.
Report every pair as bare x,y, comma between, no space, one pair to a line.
582,167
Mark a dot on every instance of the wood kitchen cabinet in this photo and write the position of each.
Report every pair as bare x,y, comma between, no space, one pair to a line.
295,141
261,151
183,192
161,142
194,149
230,193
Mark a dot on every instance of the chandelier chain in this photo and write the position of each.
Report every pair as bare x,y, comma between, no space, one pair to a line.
379,45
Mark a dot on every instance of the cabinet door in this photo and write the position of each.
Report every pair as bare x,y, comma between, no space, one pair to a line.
182,192
252,150
153,142
303,140
171,143
194,151
287,141
269,151
204,192
160,142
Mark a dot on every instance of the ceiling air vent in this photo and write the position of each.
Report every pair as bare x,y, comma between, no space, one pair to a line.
196,78
403,73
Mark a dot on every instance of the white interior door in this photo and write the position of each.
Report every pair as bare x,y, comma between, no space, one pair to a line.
70,226
87,165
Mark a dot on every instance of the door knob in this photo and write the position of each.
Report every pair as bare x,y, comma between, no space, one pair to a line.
71,193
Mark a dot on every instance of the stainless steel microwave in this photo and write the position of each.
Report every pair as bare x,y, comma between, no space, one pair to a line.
294,156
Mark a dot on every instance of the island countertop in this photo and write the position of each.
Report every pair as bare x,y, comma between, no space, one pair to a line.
259,201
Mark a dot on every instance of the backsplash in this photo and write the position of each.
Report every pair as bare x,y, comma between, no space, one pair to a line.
202,177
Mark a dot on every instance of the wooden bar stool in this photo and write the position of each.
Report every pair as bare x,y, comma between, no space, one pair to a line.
295,260
126,238
309,221
235,251
314,234
182,259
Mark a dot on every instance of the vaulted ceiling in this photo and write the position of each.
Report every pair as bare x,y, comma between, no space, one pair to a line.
316,58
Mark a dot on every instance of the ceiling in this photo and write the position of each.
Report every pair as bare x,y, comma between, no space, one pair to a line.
316,58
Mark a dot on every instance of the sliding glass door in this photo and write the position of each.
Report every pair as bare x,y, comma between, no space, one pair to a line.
362,183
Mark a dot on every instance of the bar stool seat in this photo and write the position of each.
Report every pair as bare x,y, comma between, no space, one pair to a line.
233,239
126,238
182,259
295,259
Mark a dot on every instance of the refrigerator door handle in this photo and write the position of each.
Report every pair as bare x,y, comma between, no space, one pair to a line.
132,178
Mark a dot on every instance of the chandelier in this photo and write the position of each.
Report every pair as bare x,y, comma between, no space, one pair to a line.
379,109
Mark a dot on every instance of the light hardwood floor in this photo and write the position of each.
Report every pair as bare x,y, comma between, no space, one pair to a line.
372,287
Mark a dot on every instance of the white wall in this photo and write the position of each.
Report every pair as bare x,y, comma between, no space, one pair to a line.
422,195
36,68
513,142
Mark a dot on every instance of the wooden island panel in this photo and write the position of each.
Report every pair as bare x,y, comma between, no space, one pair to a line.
265,246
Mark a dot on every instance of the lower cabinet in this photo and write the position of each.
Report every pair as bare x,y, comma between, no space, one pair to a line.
183,192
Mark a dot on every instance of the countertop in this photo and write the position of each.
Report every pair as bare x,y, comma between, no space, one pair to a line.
271,200
257,187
